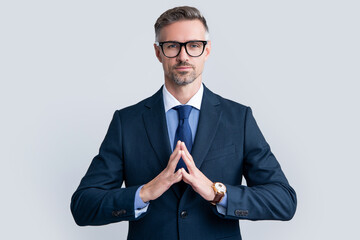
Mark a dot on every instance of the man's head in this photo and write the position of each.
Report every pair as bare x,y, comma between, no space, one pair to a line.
182,63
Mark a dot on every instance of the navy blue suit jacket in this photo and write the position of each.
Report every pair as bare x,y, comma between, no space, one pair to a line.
228,145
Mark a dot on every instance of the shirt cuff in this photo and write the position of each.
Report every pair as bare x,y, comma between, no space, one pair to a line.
139,206
222,205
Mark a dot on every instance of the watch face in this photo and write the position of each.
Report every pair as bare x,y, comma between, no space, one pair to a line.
220,187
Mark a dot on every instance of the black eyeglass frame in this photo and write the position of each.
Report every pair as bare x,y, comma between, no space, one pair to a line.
181,45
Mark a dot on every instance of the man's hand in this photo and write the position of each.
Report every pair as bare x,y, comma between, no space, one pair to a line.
195,178
162,182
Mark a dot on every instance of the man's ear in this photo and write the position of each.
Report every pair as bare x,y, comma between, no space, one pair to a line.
157,52
207,50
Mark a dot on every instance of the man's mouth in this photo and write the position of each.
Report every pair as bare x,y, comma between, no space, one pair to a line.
183,68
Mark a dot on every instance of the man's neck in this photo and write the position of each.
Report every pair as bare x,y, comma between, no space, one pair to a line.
185,92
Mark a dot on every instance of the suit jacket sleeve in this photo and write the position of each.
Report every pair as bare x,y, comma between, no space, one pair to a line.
99,198
268,194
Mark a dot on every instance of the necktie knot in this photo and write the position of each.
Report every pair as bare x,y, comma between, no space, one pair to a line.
184,111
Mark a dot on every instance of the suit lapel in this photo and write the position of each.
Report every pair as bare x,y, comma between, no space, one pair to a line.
210,115
156,127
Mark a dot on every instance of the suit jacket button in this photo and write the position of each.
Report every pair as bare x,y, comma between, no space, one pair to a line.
241,213
115,213
183,214
119,213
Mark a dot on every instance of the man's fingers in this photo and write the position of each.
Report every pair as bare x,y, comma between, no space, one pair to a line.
174,155
188,162
183,147
177,176
177,147
185,176
173,162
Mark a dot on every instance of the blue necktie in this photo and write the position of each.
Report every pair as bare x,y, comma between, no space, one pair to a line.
183,131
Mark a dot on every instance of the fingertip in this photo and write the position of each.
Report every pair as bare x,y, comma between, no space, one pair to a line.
176,146
183,171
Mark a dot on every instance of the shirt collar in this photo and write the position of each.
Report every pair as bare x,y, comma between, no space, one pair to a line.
170,101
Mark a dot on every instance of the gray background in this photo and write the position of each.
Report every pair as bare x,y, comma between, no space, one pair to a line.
66,66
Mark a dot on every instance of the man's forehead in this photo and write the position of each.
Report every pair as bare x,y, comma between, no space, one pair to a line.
182,31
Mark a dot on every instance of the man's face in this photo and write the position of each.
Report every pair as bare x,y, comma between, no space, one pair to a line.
183,69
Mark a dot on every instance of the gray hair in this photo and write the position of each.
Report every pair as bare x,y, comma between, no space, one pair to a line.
178,14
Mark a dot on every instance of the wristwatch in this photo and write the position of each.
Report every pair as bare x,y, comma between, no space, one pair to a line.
219,190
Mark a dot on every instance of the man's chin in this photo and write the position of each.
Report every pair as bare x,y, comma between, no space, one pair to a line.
183,82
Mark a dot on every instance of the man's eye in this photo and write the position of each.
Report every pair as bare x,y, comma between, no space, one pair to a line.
172,46
195,45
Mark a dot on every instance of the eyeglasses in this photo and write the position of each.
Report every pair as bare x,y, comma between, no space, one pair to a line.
172,49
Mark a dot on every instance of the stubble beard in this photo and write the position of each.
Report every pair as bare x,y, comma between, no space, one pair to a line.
183,78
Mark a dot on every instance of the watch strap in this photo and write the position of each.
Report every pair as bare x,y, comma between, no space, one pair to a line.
218,197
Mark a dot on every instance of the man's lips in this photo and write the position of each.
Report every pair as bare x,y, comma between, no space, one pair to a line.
183,68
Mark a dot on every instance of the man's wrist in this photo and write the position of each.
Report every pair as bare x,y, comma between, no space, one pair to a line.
139,203
143,194
212,193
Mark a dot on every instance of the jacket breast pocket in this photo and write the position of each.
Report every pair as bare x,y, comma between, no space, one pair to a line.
219,152
217,160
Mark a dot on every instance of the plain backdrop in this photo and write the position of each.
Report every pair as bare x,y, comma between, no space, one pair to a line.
66,66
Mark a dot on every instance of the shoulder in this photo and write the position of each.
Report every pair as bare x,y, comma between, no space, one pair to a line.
225,103
137,109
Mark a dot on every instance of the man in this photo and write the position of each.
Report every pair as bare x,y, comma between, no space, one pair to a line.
182,153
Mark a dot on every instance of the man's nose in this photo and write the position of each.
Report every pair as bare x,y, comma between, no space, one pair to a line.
183,56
